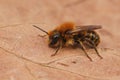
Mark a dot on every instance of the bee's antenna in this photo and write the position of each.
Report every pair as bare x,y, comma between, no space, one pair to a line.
40,29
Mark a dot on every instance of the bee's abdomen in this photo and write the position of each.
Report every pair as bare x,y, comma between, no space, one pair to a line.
93,36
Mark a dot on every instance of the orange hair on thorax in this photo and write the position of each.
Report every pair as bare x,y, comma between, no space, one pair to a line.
63,27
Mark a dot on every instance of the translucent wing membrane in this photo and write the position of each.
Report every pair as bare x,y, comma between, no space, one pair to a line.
89,27
85,27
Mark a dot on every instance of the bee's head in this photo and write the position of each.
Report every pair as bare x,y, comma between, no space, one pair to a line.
54,37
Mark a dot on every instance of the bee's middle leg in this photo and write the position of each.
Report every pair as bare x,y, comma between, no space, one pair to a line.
84,49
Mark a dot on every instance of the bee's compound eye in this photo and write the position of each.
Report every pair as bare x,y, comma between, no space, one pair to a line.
56,36
54,39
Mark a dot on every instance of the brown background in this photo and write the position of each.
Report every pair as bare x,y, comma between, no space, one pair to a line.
25,56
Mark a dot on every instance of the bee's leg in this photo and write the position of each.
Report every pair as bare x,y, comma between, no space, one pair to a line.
84,49
59,47
93,45
42,35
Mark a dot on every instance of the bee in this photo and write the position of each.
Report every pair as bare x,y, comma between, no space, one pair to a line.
67,34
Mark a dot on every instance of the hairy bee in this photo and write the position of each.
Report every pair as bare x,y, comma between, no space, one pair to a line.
68,34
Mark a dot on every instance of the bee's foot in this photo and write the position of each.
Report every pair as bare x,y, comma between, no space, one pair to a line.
90,59
52,55
41,36
101,57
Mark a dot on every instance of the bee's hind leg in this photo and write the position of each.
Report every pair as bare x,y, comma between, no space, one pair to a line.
91,43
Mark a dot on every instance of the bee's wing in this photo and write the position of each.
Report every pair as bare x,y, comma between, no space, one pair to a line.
89,27
85,27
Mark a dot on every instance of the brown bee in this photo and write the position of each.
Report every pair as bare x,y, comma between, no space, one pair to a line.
68,34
